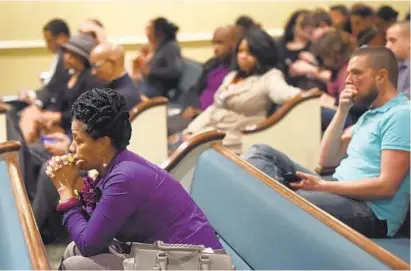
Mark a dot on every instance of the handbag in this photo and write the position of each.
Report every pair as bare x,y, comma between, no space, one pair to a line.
162,256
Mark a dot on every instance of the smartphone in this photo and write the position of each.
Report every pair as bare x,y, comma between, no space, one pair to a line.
290,177
47,139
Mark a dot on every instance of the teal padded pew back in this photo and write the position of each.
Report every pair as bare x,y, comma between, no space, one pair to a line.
397,246
13,249
264,229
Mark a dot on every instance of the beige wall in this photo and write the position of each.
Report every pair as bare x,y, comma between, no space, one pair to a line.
23,21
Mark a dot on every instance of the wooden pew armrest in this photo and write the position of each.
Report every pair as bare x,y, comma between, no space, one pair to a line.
35,246
9,146
145,105
185,148
4,107
283,110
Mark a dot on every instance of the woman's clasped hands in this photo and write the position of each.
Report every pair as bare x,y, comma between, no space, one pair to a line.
64,171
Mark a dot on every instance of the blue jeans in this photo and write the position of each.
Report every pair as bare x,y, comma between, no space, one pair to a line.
354,213
327,115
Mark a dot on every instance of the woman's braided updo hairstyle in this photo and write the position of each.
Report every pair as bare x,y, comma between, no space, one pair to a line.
104,112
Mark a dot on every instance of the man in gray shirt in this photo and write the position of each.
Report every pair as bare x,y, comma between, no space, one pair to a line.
398,41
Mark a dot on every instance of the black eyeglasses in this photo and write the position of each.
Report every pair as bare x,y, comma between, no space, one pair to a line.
98,64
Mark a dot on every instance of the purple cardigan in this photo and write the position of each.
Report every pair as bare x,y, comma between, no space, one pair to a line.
141,203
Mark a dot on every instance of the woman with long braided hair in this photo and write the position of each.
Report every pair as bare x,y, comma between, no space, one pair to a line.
131,200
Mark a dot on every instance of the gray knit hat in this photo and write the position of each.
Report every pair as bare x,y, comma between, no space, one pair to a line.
80,44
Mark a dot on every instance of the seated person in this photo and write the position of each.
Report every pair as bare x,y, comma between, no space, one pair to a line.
131,200
340,17
107,61
398,41
142,58
385,17
76,59
364,28
297,36
246,94
56,33
201,95
322,23
166,65
370,189
334,48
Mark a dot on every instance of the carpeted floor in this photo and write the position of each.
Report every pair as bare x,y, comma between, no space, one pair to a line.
55,253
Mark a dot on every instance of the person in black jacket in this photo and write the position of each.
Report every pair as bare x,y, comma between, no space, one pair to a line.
166,65
56,33
107,61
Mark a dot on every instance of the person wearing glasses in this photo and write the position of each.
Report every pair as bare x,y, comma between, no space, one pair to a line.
107,64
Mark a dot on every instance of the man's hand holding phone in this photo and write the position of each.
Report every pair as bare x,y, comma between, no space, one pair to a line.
56,144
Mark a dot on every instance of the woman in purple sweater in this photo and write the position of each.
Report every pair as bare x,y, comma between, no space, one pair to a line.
132,200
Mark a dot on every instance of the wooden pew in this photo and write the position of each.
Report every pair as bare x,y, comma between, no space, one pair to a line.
149,130
20,242
294,128
399,245
182,162
265,225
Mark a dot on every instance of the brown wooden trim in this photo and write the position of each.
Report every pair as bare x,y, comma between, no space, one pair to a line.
143,106
4,107
347,232
37,253
9,146
283,110
188,146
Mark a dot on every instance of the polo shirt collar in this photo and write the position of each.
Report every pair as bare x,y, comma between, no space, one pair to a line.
399,99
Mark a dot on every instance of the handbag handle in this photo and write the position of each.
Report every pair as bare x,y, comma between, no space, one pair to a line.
184,247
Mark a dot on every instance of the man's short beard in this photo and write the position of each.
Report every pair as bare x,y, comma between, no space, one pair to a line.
370,98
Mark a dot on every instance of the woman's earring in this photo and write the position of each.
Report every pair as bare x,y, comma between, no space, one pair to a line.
104,160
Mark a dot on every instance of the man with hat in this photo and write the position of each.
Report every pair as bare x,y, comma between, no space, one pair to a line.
107,61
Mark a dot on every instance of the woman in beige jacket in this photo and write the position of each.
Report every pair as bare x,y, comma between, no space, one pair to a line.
246,94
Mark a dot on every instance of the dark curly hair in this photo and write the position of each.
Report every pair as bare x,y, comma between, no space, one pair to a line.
387,13
246,22
362,11
166,28
104,112
262,46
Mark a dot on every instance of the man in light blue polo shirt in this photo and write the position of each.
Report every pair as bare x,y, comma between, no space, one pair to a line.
370,190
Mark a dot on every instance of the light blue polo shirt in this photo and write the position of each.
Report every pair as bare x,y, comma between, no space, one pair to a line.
383,128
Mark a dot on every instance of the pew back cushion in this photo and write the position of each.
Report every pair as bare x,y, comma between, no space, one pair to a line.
13,249
264,229
191,73
397,246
